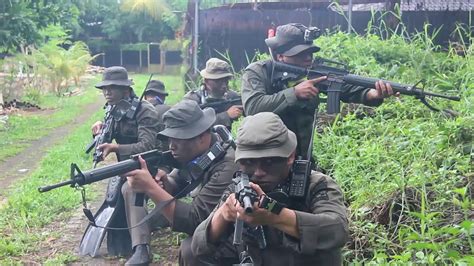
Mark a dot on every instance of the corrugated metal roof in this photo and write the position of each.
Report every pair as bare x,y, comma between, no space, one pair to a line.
421,5
437,5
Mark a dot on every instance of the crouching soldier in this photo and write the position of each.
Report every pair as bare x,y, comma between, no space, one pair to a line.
215,88
188,129
308,230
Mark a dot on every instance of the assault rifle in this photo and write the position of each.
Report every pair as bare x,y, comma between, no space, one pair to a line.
246,196
222,106
338,77
113,113
79,178
105,136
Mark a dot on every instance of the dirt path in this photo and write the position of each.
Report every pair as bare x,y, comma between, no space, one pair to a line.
19,166
71,229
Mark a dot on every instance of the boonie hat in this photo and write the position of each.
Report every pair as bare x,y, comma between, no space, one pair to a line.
216,69
156,86
264,135
186,120
115,75
289,40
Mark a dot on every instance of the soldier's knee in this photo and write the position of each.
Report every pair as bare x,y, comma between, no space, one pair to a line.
185,252
126,189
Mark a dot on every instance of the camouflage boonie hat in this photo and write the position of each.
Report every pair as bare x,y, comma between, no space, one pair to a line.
289,40
264,135
156,86
186,120
216,69
115,75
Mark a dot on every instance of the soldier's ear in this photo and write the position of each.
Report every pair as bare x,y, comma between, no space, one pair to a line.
291,158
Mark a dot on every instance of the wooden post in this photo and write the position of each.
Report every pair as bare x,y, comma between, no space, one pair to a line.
140,55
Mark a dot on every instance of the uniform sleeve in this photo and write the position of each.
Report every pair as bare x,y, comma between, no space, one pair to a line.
223,118
148,128
200,244
255,98
326,226
188,216
357,94
192,96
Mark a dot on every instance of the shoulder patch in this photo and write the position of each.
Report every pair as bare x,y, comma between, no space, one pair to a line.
319,192
254,82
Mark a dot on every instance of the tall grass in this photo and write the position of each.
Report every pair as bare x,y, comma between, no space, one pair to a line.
406,171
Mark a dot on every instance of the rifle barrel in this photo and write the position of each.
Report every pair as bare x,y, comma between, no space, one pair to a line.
48,188
397,87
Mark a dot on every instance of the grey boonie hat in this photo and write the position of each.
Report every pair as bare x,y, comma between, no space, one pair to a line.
216,69
156,86
186,120
289,40
264,135
115,75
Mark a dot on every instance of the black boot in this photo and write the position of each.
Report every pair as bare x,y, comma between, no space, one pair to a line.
141,255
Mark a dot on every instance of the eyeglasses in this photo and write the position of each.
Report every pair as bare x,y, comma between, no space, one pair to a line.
264,163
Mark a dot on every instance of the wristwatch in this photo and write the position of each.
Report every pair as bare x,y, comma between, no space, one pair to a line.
270,204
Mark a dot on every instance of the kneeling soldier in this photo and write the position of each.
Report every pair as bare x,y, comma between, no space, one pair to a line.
306,231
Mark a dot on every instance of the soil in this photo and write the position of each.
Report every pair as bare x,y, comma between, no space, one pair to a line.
70,229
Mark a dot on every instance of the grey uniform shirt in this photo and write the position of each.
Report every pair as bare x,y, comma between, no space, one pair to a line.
139,134
259,95
188,216
322,224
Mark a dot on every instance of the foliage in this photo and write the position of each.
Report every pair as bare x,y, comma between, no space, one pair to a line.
22,20
51,66
26,213
128,21
406,171
19,130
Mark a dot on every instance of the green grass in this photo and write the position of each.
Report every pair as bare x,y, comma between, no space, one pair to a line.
20,130
27,212
404,154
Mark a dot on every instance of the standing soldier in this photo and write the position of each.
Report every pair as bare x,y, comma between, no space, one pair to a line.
296,101
133,132
215,88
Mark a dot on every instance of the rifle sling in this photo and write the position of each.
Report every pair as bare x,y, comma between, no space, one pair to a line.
159,206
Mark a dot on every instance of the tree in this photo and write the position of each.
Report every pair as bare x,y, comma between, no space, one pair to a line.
21,20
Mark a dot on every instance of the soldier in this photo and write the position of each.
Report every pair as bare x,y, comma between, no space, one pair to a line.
307,231
133,133
216,77
188,129
155,93
296,103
